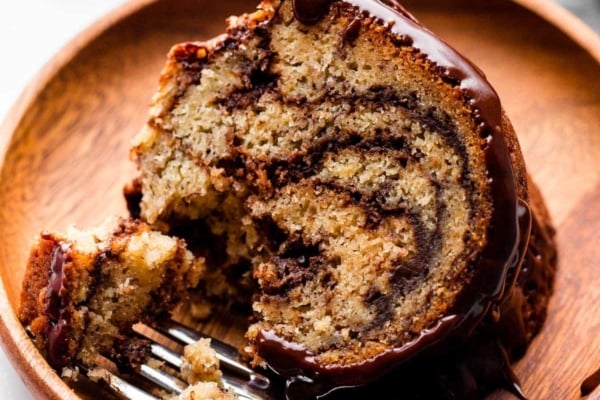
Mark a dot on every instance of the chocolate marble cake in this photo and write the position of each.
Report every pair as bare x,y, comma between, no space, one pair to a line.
355,181
84,290
365,175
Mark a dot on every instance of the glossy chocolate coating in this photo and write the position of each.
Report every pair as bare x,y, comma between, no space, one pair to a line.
400,22
297,358
500,261
55,308
310,11
590,383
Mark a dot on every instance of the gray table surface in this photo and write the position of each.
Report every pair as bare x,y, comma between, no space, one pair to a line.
75,15
587,10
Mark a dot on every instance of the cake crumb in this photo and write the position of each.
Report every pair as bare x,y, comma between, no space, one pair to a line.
200,363
98,374
200,369
70,373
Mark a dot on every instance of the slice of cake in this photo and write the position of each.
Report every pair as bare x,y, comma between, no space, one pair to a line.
360,178
84,290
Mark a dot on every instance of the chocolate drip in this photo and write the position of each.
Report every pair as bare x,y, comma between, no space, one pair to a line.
506,375
133,197
309,12
466,373
590,383
352,30
55,303
292,359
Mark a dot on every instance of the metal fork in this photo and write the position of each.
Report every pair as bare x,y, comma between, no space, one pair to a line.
247,383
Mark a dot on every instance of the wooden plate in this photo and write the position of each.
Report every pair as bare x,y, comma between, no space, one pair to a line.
64,150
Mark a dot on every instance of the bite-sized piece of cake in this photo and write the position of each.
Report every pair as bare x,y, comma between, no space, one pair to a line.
200,363
366,175
83,290
201,370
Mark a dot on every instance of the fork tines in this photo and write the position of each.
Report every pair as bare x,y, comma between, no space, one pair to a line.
242,380
228,355
245,382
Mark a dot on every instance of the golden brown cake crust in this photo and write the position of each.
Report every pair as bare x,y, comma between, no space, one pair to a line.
35,283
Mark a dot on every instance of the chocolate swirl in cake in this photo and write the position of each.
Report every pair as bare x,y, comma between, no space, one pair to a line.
364,170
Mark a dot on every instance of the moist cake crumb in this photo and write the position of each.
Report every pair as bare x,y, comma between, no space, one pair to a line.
200,363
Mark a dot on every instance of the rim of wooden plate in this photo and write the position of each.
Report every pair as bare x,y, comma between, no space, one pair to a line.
563,19
43,381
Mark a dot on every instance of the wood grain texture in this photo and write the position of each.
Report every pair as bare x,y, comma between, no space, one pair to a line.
64,152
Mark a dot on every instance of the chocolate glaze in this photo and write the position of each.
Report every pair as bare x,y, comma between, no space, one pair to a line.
467,373
454,66
55,302
590,383
309,12
297,360
133,197
352,30
501,260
